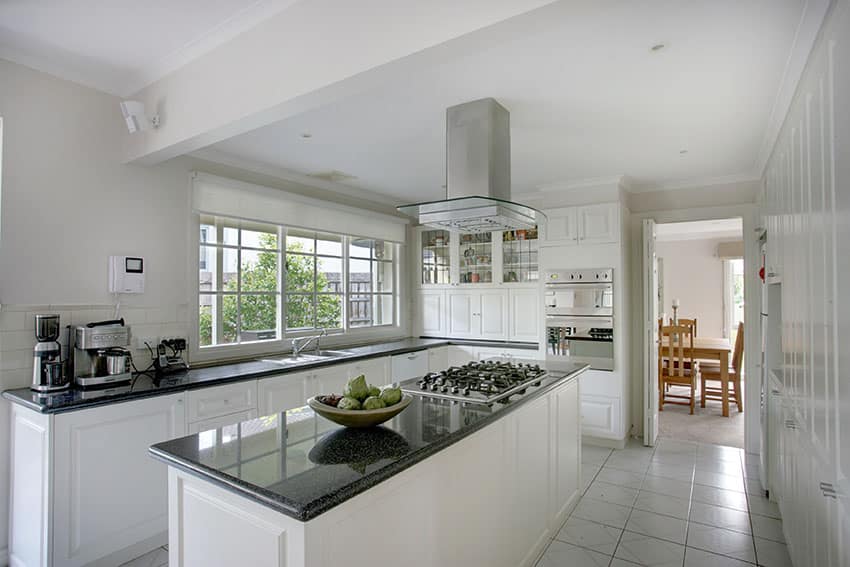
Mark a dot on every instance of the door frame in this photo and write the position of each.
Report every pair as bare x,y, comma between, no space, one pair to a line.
649,270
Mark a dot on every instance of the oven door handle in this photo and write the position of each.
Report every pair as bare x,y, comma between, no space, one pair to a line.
577,321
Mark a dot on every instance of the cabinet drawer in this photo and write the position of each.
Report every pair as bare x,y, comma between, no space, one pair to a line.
409,365
221,421
220,400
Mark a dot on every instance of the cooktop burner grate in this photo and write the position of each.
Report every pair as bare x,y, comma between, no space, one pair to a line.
478,382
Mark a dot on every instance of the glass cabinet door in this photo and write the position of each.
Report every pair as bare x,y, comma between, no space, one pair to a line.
436,257
476,257
519,256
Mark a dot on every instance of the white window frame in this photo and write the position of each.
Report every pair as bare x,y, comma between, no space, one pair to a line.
346,335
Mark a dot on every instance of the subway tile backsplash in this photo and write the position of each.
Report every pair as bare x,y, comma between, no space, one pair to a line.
17,338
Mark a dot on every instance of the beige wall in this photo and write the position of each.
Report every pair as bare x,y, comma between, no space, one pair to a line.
693,274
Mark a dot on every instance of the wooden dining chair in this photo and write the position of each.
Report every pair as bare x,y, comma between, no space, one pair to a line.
692,323
680,368
711,371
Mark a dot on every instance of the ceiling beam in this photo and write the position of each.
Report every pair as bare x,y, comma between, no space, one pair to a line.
310,55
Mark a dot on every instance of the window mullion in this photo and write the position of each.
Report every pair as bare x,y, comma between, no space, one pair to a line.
281,282
239,286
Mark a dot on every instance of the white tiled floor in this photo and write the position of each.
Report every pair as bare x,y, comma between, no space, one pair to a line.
682,504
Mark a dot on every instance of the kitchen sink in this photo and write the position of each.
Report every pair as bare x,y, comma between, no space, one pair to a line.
311,357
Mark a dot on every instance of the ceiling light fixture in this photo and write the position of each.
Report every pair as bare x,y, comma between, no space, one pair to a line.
657,47
306,135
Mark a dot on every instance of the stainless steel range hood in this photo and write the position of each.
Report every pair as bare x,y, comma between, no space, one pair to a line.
478,174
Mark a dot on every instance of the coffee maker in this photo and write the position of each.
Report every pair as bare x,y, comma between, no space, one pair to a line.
48,369
100,354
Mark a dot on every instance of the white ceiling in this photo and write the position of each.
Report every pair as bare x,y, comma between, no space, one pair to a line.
588,99
700,230
120,46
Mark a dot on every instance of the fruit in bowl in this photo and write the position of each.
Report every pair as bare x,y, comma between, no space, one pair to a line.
361,404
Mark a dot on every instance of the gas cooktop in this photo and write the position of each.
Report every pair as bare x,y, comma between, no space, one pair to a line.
483,382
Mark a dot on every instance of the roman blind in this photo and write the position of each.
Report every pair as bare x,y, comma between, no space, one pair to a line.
216,195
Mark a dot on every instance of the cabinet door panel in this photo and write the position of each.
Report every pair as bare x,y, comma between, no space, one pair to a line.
221,421
376,370
409,365
567,457
525,305
206,403
561,226
438,359
462,322
280,393
598,224
599,416
331,380
104,451
493,314
460,355
431,313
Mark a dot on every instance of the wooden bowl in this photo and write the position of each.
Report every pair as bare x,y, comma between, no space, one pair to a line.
359,418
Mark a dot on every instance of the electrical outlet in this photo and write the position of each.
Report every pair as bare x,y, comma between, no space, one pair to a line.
152,341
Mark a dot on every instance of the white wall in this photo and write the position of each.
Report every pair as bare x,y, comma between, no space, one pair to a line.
693,274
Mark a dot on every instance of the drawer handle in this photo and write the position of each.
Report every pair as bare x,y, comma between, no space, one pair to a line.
413,357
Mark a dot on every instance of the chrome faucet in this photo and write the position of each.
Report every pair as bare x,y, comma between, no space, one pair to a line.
300,343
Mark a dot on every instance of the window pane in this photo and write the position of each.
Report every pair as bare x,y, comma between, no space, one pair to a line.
329,313
329,278
383,250
259,271
359,276
382,310
299,272
231,236
207,231
382,276
299,311
205,321
206,268
360,310
259,317
329,244
300,241
229,269
229,317
259,239
360,248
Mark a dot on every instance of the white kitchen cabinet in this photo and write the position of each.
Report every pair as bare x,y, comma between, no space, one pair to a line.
463,318
524,315
409,365
216,401
562,226
566,452
329,380
510,354
438,358
587,224
598,224
431,313
459,354
221,421
376,370
600,416
108,494
284,392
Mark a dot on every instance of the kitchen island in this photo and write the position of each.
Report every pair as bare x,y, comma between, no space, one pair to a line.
443,483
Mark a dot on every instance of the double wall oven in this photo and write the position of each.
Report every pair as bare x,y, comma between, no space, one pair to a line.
579,308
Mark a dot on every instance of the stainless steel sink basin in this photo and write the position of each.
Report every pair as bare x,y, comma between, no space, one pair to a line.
310,357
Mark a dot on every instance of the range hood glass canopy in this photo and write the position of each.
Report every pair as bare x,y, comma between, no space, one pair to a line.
478,174
474,214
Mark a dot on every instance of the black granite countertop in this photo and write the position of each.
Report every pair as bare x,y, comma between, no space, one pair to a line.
144,385
302,465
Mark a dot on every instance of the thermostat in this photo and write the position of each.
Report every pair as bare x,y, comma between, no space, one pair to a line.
126,274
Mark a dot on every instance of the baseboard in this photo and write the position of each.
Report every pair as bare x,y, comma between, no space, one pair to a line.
4,556
603,442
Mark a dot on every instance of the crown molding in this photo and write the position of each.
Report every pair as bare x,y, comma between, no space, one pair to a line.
697,182
808,29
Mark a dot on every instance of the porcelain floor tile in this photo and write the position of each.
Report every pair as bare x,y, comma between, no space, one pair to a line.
768,528
628,479
156,558
682,472
594,455
617,562
763,507
718,480
560,554
724,542
699,558
720,517
602,512
658,526
719,497
772,553
612,493
668,486
662,504
590,535
649,551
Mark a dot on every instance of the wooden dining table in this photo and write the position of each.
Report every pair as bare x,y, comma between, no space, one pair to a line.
710,348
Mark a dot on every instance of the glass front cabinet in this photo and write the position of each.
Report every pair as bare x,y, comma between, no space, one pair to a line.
465,259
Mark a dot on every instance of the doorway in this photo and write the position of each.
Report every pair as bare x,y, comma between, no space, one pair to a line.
697,275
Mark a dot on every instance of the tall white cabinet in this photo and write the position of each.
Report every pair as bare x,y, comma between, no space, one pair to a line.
805,209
